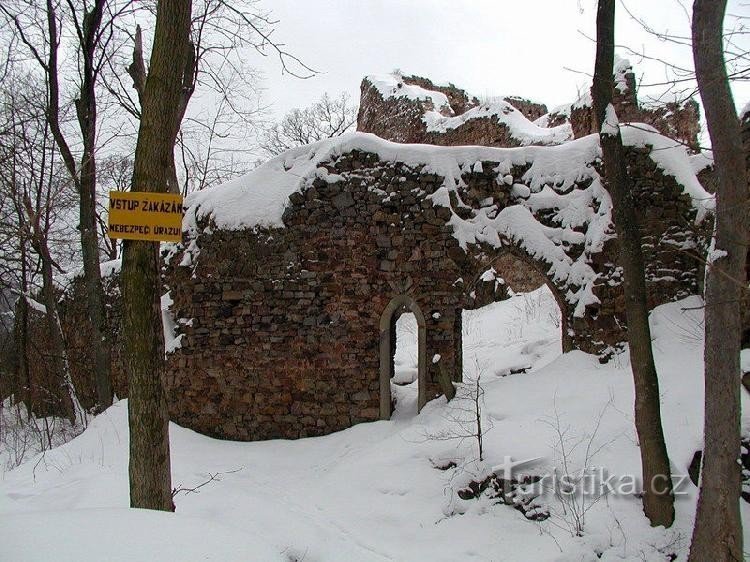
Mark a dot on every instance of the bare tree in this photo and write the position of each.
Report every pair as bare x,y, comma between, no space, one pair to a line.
221,34
40,29
213,146
717,535
658,500
326,118
36,198
115,174
161,97
465,415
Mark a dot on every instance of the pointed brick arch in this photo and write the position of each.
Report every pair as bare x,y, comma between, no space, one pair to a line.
387,337
514,265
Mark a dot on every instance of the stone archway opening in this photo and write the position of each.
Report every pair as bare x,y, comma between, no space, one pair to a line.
403,366
515,321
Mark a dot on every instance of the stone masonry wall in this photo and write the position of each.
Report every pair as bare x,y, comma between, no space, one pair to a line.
45,388
79,342
680,121
400,120
280,326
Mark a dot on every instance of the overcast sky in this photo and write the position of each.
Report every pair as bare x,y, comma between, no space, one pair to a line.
532,48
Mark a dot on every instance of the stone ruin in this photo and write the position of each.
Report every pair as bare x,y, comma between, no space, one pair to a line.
394,107
286,289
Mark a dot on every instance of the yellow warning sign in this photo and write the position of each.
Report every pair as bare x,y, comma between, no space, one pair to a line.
145,216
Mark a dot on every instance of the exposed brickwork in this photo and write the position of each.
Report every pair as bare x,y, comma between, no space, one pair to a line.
458,98
680,121
531,110
79,341
281,338
280,327
400,120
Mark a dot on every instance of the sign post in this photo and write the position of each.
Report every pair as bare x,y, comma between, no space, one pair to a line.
145,216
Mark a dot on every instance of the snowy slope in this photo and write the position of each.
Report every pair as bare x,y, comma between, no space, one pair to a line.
372,493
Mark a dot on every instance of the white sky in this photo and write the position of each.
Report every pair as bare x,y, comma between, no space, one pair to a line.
518,47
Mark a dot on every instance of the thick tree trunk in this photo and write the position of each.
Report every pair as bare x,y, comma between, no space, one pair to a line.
658,500
717,535
745,297
150,478
95,290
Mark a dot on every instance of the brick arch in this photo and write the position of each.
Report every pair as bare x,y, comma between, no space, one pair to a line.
517,268
387,337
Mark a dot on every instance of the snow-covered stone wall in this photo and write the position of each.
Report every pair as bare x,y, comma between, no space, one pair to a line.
278,295
411,109
679,120
279,311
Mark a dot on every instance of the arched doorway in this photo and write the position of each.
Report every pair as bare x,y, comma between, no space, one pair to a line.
395,308
515,318
517,271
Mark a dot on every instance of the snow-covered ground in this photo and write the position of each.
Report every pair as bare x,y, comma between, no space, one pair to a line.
389,490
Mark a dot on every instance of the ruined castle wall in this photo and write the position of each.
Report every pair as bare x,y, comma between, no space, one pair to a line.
531,110
679,121
284,323
79,341
45,387
399,119
281,326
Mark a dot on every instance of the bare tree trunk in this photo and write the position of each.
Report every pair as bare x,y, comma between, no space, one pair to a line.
745,297
86,113
22,336
717,535
658,500
56,348
150,478
84,178
94,287
37,221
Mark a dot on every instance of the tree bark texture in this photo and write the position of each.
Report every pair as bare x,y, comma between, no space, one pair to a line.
150,477
658,499
717,535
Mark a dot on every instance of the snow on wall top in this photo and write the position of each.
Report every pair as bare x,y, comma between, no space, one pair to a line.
523,130
107,269
259,198
520,127
701,161
393,86
584,100
673,160
622,67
